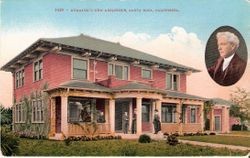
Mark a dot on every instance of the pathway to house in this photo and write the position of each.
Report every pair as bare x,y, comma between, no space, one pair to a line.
236,135
215,145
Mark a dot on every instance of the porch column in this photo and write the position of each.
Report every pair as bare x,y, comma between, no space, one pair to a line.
178,116
158,107
202,117
106,112
130,114
138,116
227,119
212,119
224,120
52,116
112,115
64,114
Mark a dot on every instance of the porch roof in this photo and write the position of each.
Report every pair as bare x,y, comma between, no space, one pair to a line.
219,101
135,86
85,85
175,94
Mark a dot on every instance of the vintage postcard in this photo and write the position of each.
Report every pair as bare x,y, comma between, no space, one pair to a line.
125,78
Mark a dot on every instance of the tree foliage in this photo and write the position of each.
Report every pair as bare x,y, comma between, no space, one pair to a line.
6,115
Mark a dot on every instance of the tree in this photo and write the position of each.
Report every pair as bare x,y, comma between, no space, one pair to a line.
241,103
207,109
6,115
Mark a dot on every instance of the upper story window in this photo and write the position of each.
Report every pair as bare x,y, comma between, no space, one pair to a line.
38,70
120,71
19,78
168,113
37,111
193,115
19,113
146,73
172,81
80,69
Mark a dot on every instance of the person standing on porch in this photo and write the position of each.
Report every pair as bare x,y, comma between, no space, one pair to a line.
133,130
125,123
156,122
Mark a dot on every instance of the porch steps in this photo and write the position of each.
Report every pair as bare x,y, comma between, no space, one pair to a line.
57,136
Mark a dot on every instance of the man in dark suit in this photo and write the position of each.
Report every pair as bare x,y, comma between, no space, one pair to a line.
229,67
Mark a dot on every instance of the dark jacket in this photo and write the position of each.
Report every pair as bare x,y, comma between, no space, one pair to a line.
231,74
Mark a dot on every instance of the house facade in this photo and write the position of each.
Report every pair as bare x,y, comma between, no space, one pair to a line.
64,85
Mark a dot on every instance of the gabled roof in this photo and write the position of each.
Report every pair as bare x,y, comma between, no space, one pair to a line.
85,85
83,42
220,101
175,94
135,86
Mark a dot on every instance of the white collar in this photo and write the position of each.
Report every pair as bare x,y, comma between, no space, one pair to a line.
227,61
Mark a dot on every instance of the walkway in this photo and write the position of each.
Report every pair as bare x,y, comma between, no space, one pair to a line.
234,147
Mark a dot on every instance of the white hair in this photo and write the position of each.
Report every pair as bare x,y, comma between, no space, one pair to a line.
231,37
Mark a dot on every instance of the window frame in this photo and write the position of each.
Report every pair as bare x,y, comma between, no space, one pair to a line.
167,106
172,81
19,113
38,111
72,67
146,69
195,115
113,73
39,72
19,78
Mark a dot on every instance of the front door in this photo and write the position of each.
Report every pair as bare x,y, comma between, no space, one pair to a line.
121,106
217,122
58,114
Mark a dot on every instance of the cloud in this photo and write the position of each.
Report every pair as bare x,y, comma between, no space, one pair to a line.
175,45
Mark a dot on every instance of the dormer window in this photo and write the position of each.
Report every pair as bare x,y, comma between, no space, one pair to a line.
172,81
119,71
146,73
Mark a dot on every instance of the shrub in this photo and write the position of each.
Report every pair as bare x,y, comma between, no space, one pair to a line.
165,134
128,150
144,138
212,133
172,140
9,143
238,127
67,141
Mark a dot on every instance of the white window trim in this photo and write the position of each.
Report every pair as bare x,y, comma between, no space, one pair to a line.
147,69
179,81
36,100
72,67
114,63
16,114
220,122
17,71
37,60
195,108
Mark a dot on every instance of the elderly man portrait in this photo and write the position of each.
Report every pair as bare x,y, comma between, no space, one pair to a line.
229,67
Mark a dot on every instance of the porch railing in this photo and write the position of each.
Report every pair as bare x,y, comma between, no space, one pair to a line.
80,129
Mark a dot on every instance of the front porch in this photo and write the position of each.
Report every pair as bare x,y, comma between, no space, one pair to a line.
91,112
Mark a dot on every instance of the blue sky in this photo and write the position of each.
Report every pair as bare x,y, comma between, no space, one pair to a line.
201,17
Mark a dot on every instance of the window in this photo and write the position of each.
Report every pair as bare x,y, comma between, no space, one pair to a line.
38,70
172,81
80,109
19,113
120,71
19,78
168,113
146,73
37,111
183,113
193,115
80,69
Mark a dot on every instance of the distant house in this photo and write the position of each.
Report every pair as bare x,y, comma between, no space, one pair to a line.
219,115
61,85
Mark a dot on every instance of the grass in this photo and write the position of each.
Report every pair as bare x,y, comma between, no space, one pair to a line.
29,147
230,140
241,133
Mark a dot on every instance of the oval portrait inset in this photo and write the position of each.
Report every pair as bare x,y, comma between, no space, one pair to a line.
226,56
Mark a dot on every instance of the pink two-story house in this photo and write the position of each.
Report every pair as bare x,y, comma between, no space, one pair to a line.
63,84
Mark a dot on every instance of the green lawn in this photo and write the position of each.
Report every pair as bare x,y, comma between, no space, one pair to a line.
231,140
242,133
30,147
